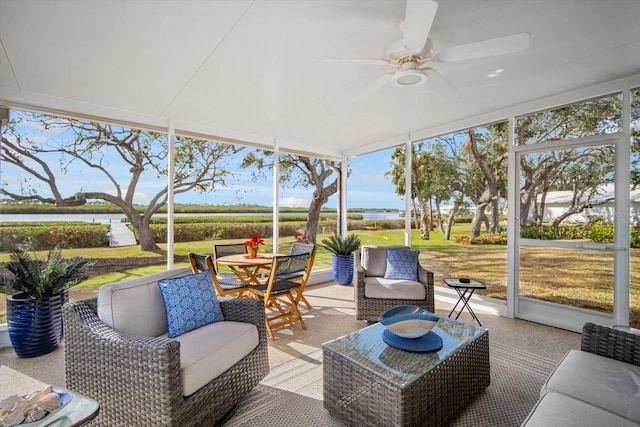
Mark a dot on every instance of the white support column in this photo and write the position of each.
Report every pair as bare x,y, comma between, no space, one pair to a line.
342,192
276,196
513,241
623,211
407,190
170,193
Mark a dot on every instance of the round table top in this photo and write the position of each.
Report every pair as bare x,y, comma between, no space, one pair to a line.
244,260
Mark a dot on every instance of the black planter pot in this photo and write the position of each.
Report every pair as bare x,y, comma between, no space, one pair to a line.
35,327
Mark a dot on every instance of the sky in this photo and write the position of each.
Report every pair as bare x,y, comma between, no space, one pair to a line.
367,185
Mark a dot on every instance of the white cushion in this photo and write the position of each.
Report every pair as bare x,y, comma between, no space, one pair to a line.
598,380
379,287
374,259
135,306
559,410
208,351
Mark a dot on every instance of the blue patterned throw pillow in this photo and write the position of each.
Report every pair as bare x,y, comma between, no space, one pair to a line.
402,264
190,302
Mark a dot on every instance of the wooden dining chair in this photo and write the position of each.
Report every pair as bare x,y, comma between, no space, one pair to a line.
225,284
301,248
224,249
282,294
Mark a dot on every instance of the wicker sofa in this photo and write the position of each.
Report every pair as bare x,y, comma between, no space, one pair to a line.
598,385
117,352
375,294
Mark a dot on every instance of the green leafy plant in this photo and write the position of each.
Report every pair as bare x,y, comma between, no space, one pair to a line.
339,245
42,279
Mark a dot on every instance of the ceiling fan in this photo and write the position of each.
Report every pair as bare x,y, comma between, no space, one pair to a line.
414,55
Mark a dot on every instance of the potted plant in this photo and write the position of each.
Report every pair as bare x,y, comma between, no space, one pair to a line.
253,244
39,290
342,249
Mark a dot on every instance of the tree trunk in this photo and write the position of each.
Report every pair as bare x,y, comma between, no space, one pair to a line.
495,216
313,219
415,214
424,226
147,242
451,219
476,223
439,217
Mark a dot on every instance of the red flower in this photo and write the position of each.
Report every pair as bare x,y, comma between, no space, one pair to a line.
255,241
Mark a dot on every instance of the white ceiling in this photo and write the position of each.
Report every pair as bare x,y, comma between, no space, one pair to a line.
257,70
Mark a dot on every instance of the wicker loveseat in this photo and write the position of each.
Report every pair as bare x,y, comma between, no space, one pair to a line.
598,385
375,294
149,379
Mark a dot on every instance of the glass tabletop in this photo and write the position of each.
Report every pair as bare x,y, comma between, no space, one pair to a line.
366,349
457,283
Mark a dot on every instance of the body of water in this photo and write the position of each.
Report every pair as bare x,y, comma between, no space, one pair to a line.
371,216
111,218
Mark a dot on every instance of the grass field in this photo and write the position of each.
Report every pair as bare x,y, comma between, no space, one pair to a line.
578,278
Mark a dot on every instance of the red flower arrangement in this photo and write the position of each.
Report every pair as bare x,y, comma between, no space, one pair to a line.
255,242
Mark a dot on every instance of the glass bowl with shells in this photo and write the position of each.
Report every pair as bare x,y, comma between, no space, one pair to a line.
33,407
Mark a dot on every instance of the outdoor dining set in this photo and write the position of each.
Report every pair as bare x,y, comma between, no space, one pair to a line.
278,280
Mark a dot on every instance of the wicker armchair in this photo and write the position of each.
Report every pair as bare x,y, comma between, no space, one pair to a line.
611,343
370,308
137,380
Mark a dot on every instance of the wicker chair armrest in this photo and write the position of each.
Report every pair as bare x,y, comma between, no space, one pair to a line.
109,365
425,276
245,310
358,284
612,343
358,262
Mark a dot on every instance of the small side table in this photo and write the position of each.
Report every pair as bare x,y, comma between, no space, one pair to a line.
465,291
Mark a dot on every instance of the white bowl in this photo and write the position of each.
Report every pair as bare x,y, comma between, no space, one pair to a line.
408,321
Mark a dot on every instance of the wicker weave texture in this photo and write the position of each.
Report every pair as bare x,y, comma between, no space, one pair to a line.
137,380
612,343
370,309
357,397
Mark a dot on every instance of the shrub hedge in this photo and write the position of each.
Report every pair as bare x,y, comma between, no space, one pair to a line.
93,235
47,237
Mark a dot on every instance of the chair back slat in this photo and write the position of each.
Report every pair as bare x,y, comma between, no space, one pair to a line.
302,248
287,265
198,262
221,250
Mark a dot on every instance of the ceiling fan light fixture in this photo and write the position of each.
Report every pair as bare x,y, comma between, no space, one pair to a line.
409,75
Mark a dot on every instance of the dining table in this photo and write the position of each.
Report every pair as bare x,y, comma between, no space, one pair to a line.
247,269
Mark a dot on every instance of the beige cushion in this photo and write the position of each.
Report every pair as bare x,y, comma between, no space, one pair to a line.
598,380
379,287
559,410
374,259
135,307
208,351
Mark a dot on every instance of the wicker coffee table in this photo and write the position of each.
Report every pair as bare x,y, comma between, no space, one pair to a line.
367,382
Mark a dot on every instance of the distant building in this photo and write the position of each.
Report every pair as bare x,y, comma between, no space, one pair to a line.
557,202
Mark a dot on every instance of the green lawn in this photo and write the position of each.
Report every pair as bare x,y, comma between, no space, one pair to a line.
582,279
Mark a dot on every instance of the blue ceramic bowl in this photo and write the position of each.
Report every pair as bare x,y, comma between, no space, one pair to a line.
408,321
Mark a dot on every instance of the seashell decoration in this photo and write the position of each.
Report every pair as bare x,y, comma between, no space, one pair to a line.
15,410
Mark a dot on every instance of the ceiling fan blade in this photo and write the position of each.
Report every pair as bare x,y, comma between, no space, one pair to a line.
438,82
365,61
373,87
419,16
492,47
